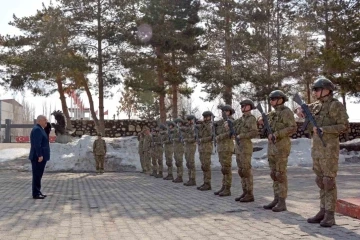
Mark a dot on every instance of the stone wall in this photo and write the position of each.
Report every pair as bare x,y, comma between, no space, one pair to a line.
122,128
113,128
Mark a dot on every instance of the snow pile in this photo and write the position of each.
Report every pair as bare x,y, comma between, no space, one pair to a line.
123,155
12,153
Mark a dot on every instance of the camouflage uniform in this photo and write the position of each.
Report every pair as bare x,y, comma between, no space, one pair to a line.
246,129
190,148
153,153
283,125
158,154
330,115
205,150
178,151
169,151
141,153
99,150
225,148
147,153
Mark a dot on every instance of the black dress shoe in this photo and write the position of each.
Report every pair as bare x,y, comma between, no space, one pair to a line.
43,195
39,197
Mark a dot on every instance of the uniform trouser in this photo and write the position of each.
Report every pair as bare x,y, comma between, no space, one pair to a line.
157,159
37,173
190,159
99,160
169,151
244,169
147,161
205,159
326,172
225,161
278,167
141,154
179,158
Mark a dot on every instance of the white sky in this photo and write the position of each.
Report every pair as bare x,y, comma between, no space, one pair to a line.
28,7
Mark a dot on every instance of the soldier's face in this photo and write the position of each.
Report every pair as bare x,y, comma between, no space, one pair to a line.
227,113
320,92
245,108
276,101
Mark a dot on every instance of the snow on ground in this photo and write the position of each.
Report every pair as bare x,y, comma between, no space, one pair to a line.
12,153
123,155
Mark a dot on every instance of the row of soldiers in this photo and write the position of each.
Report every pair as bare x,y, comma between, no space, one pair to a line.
182,137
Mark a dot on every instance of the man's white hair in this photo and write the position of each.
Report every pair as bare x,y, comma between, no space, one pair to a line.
40,117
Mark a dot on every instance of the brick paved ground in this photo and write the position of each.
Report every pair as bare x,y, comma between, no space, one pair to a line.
135,206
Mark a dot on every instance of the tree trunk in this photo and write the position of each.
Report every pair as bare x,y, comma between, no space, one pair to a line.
100,70
63,101
278,43
228,67
91,102
308,90
161,83
174,88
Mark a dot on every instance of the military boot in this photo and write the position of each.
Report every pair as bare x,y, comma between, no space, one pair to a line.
160,175
191,182
328,220
226,192
318,217
280,206
272,204
240,197
153,173
178,180
198,188
169,177
249,197
221,189
205,187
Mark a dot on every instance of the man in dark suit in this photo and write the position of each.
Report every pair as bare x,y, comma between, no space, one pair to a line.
39,155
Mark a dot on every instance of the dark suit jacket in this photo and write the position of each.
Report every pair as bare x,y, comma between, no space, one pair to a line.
48,129
39,144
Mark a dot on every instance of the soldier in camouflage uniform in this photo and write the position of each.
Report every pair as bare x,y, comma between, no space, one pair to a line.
159,141
190,148
283,125
140,151
178,150
153,152
169,149
330,115
246,129
147,150
225,147
157,160
99,150
205,149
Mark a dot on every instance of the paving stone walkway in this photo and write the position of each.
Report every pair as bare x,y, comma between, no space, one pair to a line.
135,206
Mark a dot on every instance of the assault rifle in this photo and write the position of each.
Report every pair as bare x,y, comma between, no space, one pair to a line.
231,127
266,122
213,134
308,117
196,130
180,134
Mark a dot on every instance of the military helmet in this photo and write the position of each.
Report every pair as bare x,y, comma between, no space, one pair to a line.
228,108
207,114
278,94
323,83
162,127
178,120
190,117
248,102
169,123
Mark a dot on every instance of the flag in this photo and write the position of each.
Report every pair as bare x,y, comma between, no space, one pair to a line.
106,112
